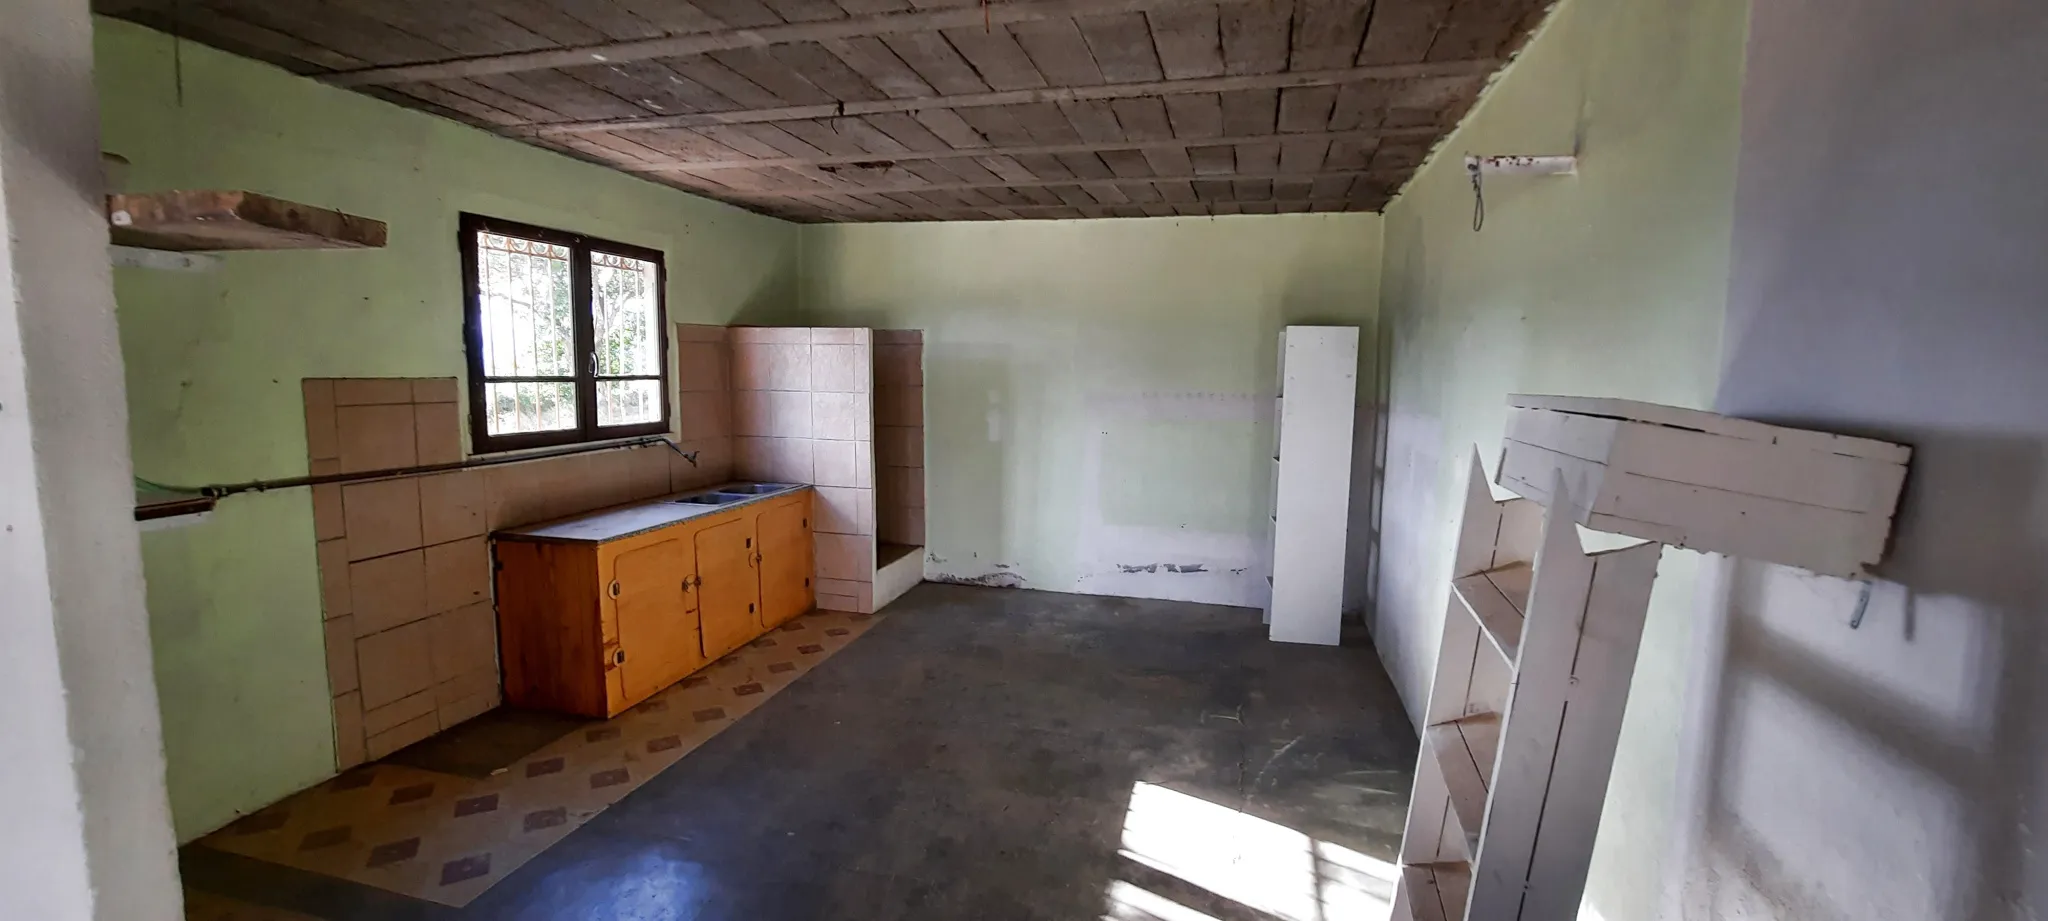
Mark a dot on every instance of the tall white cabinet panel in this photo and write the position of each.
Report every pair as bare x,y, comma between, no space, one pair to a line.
1312,482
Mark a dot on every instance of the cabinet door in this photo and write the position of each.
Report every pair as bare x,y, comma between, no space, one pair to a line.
785,535
657,621
727,588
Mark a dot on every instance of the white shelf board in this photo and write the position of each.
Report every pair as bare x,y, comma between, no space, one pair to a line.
1433,892
1499,600
1463,751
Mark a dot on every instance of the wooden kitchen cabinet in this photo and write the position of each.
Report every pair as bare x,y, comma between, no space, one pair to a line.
601,611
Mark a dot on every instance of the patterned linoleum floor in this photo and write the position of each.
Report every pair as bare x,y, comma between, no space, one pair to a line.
447,838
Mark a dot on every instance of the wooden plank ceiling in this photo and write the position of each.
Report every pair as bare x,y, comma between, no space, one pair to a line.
890,110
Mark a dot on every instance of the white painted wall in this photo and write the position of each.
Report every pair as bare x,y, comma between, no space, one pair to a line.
1891,278
87,829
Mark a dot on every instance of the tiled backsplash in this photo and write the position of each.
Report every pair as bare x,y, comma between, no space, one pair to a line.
899,436
405,570
803,412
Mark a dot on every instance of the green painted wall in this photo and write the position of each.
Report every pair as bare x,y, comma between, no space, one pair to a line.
1611,283
1098,393
214,361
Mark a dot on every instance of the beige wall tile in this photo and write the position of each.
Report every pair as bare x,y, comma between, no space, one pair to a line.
394,665
705,414
465,708
452,506
384,743
437,429
899,446
435,390
608,479
842,417
714,465
369,391
463,641
376,437
700,332
845,510
348,731
649,469
458,574
513,495
771,366
328,522
897,524
899,406
702,367
777,460
836,463
332,556
388,591
341,655
411,707
906,486
381,517
771,414
846,595
321,439
841,335
840,369
845,556
792,460
899,366
863,464
784,334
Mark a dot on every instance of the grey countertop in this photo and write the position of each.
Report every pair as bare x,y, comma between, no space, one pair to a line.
639,518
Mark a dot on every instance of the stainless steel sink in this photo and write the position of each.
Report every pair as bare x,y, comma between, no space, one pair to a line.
756,489
711,498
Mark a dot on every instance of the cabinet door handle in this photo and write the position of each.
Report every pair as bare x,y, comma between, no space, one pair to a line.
619,657
613,588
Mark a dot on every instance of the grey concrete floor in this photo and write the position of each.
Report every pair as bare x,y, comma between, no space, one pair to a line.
974,756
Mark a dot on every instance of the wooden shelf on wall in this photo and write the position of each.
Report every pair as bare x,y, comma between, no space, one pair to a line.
194,221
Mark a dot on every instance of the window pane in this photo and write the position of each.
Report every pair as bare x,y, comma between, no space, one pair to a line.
530,406
622,293
523,290
628,402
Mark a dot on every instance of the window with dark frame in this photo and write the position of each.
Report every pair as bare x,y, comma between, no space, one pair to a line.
564,334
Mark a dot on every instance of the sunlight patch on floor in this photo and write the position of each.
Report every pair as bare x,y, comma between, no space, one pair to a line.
1259,864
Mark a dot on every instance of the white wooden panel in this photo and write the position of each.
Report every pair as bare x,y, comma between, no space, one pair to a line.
1480,526
1312,509
1455,764
1527,470
1435,892
1715,423
1597,694
1493,677
1425,838
1499,616
1456,656
1529,730
1521,532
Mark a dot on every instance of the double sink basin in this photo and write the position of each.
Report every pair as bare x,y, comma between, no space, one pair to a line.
737,492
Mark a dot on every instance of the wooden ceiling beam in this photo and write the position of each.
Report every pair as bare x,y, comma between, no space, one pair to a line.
1452,70
771,194
1184,209
974,16
706,166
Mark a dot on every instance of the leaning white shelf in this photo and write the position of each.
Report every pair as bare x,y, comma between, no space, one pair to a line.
1312,420
1539,643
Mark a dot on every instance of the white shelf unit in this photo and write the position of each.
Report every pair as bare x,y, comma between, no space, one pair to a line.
1312,422
1539,643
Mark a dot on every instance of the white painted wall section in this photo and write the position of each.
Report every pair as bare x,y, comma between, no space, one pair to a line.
88,827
